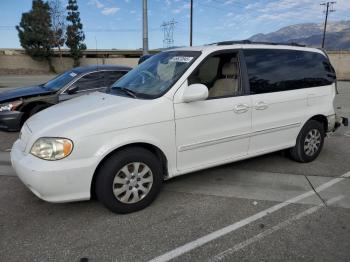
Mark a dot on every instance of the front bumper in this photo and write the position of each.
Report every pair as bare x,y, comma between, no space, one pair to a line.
10,120
53,181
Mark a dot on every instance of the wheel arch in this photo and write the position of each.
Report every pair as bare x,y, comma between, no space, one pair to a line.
29,106
150,147
320,118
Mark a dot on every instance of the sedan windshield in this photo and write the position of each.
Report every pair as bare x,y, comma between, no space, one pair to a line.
60,81
156,75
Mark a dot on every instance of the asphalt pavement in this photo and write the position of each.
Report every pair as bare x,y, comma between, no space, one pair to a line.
268,208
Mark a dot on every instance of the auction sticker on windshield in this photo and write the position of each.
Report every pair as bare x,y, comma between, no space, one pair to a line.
181,59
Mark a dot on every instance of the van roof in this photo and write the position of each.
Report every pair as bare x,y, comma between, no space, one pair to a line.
245,44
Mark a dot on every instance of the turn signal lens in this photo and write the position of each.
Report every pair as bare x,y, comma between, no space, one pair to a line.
50,148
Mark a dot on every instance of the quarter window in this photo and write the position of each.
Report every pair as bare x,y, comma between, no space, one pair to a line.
282,70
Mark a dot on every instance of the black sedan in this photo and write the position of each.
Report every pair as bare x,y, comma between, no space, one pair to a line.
17,105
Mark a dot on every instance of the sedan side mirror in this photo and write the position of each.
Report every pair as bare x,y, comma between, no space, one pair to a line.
72,90
195,92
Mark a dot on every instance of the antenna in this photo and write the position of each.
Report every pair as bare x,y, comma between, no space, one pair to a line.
168,31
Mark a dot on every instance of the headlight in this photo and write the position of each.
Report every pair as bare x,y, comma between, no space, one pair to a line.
50,148
10,106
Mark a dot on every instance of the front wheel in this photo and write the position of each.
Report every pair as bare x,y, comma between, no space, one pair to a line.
129,180
309,142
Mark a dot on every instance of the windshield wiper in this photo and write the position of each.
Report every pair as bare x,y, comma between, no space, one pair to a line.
127,91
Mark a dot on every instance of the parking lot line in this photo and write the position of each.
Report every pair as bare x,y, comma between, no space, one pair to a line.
273,229
237,225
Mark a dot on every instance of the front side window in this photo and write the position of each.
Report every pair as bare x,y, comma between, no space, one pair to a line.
282,70
90,81
112,76
220,74
155,76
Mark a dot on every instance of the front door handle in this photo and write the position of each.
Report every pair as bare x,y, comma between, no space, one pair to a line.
241,108
261,105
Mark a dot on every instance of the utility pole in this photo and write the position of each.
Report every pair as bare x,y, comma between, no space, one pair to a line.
191,23
145,28
168,31
328,9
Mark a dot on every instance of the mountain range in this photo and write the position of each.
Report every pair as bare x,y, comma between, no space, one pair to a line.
310,34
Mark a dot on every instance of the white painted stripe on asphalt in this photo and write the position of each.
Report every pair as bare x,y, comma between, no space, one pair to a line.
271,230
228,229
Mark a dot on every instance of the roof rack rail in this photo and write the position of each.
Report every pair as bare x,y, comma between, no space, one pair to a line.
242,42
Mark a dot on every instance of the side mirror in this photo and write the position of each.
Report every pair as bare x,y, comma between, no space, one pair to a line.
72,90
195,92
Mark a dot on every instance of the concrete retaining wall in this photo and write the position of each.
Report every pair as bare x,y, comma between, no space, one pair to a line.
19,63
341,63
24,64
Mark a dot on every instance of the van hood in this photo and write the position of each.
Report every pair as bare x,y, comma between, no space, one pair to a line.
96,111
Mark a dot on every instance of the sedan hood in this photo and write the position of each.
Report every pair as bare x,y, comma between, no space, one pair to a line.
92,113
22,92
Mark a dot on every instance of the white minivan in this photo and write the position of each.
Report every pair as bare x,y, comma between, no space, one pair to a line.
179,111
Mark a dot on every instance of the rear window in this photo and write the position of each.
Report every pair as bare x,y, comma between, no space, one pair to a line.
283,70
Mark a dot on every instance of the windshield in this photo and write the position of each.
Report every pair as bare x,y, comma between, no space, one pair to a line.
60,81
156,75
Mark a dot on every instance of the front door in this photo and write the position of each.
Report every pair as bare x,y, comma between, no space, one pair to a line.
216,130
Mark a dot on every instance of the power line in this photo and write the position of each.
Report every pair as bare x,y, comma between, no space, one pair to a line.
328,9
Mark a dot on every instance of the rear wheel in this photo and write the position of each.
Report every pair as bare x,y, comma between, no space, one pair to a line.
129,180
309,142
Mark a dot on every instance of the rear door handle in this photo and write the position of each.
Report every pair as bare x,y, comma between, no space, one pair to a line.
261,105
241,108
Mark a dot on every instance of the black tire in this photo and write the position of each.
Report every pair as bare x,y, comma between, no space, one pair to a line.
298,152
104,186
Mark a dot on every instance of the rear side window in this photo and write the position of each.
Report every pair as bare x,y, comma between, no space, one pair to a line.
283,70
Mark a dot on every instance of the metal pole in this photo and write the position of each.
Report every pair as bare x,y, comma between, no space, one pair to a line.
325,25
145,28
191,23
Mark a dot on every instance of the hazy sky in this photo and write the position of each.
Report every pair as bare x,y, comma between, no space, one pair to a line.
118,23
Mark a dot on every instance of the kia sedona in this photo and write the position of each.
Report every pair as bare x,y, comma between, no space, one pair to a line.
179,111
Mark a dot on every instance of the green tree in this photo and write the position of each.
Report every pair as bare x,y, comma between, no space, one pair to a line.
74,34
35,33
